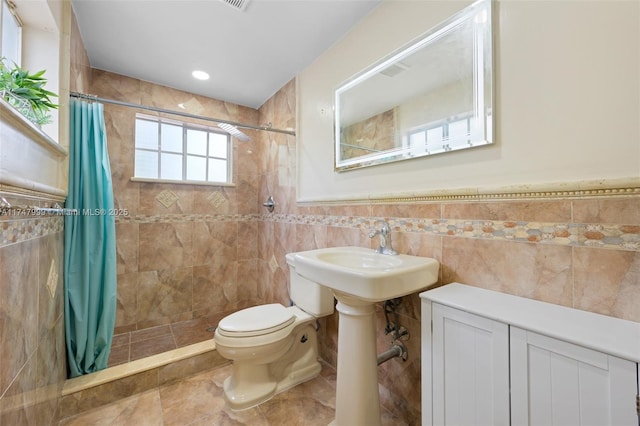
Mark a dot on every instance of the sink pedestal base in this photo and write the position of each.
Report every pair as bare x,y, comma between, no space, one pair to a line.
359,277
357,398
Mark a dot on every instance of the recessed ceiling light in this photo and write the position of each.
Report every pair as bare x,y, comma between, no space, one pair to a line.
200,75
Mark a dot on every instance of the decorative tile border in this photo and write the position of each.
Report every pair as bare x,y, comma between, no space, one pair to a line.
182,218
20,230
600,188
611,236
502,196
614,236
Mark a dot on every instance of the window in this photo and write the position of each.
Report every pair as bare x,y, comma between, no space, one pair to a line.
176,151
33,42
11,35
444,135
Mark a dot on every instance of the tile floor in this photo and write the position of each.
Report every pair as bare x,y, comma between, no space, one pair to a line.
127,347
198,401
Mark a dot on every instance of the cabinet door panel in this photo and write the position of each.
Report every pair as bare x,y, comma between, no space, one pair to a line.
470,369
558,383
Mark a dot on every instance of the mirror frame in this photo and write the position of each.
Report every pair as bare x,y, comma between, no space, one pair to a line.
483,102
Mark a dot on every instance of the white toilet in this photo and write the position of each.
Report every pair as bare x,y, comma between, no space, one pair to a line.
272,347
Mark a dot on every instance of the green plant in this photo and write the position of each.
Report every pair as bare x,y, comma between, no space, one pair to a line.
26,93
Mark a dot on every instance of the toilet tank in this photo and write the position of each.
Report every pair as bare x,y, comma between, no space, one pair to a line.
309,296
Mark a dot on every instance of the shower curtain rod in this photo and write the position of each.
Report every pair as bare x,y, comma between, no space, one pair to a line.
181,114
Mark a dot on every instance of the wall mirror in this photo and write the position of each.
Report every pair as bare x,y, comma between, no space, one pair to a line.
432,96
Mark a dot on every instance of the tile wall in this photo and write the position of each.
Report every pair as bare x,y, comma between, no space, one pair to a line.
577,251
595,268
181,249
213,250
376,133
191,252
33,364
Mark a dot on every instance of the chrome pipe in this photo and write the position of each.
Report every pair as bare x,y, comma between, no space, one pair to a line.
397,350
178,113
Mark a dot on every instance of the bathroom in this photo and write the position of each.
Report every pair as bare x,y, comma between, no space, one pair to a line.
566,161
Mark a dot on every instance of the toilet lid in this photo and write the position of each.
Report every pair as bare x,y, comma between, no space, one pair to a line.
256,321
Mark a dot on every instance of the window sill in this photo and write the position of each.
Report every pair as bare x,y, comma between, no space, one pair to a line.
32,163
181,182
11,116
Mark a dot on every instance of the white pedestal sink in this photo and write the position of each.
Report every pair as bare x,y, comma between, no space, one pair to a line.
359,278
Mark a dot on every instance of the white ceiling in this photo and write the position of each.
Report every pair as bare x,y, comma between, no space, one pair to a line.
249,54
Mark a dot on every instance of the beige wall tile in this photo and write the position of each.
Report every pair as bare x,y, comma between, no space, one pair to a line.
80,67
536,271
114,86
309,237
401,397
127,247
247,190
607,282
165,245
427,211
165,295
247,240
33,364
619,210
530,211
215,287
18,308
127,302
18,403
215,242
339,236
247,283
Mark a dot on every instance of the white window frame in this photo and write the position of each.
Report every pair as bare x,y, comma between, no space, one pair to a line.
9,7
445,143
185,127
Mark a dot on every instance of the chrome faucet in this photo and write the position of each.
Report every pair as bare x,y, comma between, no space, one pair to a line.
384,237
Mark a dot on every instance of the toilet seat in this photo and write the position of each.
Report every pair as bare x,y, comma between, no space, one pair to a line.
256,321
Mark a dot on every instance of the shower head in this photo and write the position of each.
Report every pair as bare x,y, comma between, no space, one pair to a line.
233,131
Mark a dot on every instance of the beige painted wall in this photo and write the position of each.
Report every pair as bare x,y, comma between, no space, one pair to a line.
567,98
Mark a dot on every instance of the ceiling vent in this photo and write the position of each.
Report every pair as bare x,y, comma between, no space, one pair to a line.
394,69
240,5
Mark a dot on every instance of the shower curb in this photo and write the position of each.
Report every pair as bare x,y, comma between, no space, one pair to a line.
87,392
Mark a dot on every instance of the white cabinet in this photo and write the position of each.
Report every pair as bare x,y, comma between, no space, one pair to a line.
554,382
473,389
494,359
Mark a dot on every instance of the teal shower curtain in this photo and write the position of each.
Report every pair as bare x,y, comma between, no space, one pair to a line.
89,243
